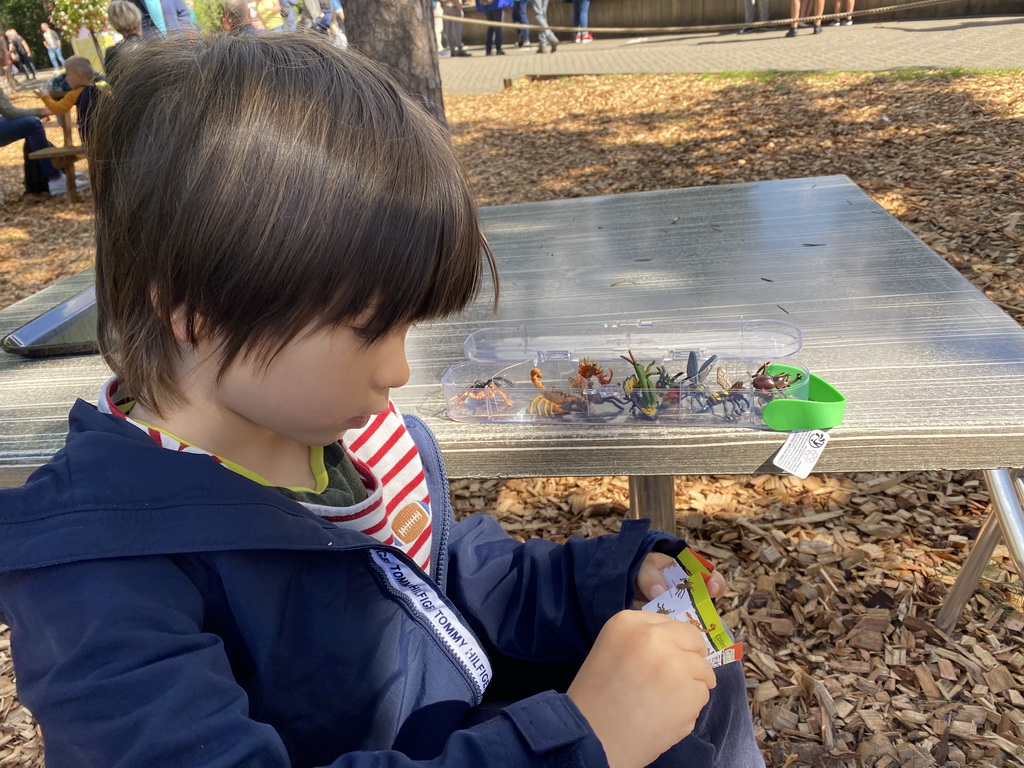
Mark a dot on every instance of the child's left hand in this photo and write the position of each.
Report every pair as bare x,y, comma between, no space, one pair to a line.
650,584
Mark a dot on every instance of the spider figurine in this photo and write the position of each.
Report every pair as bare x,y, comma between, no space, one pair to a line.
480,393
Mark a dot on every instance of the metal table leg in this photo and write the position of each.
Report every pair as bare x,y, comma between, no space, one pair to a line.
1006,520
654,496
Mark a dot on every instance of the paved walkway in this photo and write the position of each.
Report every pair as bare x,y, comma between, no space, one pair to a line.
975,42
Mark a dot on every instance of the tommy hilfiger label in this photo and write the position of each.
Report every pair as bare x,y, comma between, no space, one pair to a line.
446,624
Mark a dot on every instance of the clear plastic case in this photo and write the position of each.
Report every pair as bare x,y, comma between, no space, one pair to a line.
719,373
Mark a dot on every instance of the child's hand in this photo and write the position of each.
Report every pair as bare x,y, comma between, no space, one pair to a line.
643,686
38,92
650,584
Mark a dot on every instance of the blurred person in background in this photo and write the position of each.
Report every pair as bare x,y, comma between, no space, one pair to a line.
453,27
493,10
849,11
51,40
748,12
21,54
581,20
519,16
270,14
546,38
795,13
126,19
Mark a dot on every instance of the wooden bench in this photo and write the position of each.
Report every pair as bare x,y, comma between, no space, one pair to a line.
65,157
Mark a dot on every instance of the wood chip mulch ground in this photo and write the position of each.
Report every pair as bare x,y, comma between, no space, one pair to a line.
834,580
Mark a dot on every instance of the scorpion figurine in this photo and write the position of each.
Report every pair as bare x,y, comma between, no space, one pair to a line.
559,402
554,402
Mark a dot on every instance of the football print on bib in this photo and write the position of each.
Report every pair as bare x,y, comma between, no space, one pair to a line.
410,522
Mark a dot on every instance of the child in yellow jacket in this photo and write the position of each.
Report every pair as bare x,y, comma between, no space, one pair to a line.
84,93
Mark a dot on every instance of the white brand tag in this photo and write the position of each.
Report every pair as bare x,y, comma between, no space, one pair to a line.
444,622
800,452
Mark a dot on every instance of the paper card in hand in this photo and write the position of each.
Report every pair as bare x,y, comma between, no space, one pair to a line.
687,599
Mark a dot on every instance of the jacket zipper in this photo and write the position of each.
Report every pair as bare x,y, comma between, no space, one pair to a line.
439,636
441,563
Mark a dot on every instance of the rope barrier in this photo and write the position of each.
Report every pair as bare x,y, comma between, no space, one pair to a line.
705,28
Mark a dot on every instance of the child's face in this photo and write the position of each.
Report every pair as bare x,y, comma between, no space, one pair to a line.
320,385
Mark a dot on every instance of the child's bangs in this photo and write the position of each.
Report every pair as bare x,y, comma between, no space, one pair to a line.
420,264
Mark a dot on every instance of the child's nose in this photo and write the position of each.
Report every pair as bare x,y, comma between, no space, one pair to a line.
395,371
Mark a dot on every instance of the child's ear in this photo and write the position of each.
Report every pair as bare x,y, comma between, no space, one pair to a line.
179,327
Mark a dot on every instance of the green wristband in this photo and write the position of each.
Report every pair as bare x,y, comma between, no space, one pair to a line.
823,408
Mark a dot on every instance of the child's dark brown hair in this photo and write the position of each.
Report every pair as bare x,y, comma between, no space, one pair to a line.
257,186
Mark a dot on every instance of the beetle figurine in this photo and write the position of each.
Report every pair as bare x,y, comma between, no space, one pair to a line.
767,387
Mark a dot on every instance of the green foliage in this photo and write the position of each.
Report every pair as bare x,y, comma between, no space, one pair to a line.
209,12
71,15
26,16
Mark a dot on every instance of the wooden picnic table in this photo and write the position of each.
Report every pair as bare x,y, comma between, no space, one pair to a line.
932,368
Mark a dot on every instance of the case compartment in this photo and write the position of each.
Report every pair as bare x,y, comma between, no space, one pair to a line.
579,373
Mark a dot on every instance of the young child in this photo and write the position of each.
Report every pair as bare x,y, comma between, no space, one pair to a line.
83,93
245,556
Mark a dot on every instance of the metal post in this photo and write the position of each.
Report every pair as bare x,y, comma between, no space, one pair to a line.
1012,523
970,574
1005,521
654,496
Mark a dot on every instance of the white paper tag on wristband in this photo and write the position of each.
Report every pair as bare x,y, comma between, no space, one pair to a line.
801,451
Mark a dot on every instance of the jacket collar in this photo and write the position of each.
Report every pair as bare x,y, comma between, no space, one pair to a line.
112,492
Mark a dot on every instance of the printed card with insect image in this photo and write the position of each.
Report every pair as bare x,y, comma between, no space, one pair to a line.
687,599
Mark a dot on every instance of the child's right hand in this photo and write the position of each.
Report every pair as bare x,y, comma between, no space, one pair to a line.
643,685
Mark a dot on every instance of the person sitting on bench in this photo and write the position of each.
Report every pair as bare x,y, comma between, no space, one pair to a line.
17,123
84,94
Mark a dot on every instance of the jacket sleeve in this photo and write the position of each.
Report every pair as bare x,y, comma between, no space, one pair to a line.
10,112
541,601
64,103
112,660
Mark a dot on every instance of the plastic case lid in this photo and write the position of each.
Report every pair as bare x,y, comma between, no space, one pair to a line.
662,340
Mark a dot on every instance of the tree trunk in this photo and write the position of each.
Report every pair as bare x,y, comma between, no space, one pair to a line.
400,34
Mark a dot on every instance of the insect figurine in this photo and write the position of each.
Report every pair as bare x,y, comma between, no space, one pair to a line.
646,400
693,388
697,371
665,611
732,397
480,393
554,402
765,382
586,370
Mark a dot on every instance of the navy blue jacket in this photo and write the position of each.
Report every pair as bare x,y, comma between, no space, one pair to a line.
165,611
